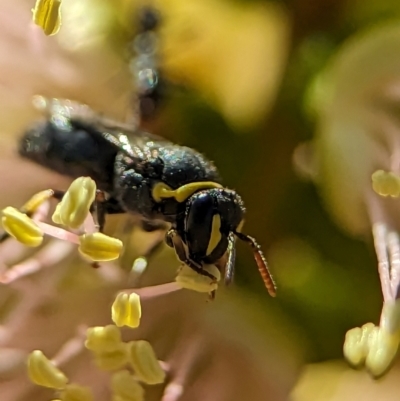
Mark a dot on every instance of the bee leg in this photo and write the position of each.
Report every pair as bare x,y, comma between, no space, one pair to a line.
153,225
174,240
198,269
99,210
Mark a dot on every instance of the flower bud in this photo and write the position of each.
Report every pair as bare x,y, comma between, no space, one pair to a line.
191,280
75,204
41,371
126,310
103,339
386,183
73,392
21,227
47,15
125,387
145,363
100,247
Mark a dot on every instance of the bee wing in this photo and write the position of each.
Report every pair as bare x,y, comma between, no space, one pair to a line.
127,138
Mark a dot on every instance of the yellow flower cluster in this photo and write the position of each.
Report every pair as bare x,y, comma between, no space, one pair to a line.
71,212
112,354
386,183
375,346
133,362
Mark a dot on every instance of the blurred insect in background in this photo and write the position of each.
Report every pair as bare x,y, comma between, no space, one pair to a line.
170,188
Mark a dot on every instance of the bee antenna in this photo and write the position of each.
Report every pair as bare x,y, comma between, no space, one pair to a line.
261,263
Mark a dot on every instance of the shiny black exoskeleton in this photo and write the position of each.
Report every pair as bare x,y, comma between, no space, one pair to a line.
143,174
168,186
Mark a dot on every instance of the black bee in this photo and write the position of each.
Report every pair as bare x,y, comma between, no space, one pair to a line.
139,173
169,187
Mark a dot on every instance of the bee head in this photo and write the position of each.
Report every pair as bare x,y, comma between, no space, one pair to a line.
210,216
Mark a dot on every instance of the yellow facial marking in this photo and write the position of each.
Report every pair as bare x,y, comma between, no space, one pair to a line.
240,226
163,191
215,236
